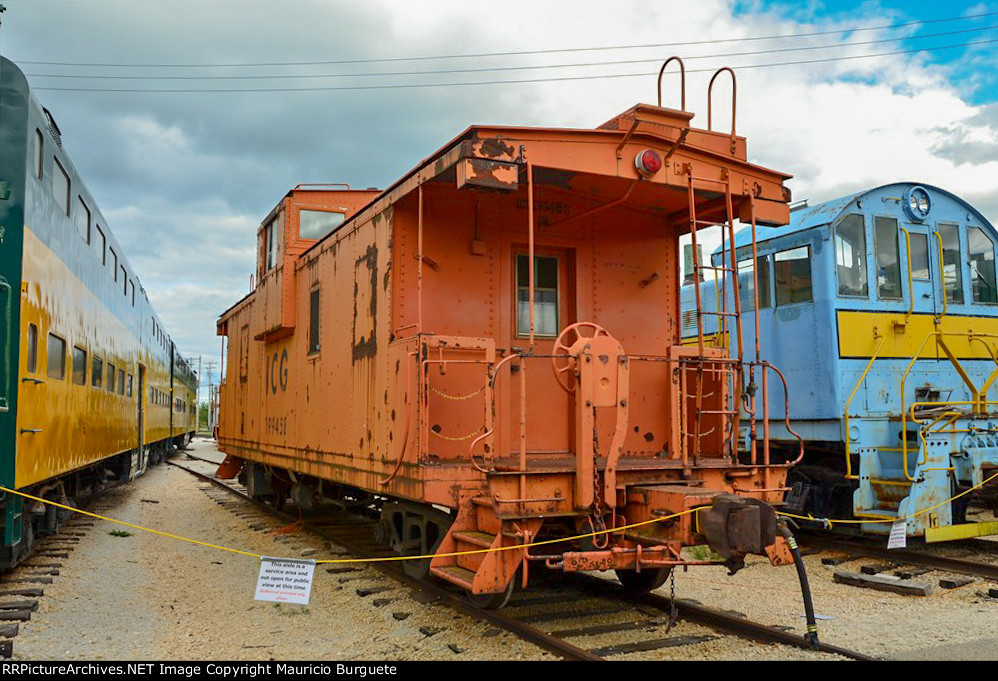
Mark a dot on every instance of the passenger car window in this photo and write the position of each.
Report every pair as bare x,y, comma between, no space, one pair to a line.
793,276
850,256
60,187
32,349
109,383
97,372
56,357
79,366
39,147
82,219
982,266
885,243
952,262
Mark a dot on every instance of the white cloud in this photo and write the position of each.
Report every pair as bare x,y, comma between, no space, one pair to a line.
187,178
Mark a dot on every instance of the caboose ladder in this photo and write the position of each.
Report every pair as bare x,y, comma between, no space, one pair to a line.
728,418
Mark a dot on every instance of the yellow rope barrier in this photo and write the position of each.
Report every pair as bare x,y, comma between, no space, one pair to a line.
349,560
512,547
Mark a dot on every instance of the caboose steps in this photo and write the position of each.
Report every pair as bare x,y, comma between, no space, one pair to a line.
481,540
456,575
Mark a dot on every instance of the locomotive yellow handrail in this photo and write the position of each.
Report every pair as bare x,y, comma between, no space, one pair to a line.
942,274
975,393
911,279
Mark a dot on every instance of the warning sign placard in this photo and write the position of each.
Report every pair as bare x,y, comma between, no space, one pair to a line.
285,580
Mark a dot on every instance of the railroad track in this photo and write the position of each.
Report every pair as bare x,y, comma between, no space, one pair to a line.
591,605
866,548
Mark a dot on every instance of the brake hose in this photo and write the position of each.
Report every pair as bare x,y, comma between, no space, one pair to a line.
805,589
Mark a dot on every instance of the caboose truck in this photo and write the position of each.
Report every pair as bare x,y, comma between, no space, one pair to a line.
883,311
490,349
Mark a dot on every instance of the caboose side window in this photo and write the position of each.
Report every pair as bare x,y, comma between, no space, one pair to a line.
885,241
982,266
850,256
32,349
315,224
313,321
60,187
952,262
793,276
56,357
82,219
271,238
746,282
545,296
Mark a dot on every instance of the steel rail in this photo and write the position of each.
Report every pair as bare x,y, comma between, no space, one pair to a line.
905,556
699,614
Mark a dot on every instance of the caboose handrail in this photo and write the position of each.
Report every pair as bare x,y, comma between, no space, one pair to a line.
682,80
734,97
408,418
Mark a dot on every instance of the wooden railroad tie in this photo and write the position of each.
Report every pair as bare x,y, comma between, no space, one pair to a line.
883,583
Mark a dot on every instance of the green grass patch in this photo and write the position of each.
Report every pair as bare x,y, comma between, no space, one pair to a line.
120,533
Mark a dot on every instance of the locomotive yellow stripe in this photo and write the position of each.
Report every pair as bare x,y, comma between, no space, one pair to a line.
860,332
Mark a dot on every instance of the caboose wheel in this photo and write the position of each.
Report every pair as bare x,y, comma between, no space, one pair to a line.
644,581
493,601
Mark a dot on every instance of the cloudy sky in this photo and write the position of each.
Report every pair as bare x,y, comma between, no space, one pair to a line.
255,97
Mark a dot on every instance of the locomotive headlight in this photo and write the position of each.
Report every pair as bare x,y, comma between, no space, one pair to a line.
916,203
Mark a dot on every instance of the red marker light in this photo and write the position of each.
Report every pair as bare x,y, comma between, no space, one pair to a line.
648,162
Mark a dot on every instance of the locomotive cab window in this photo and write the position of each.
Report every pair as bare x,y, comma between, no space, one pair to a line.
919,255
746,283
79,366
32,350
545,295
850,256
885,243
60,187
793,276
56,357
97,372
315,224
952,262
982,266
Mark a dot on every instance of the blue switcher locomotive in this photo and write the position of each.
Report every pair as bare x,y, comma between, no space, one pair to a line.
881,307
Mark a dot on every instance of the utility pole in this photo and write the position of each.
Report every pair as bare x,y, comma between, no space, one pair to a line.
209,365
197,397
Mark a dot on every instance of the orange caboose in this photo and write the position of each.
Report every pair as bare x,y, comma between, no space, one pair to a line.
490,349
